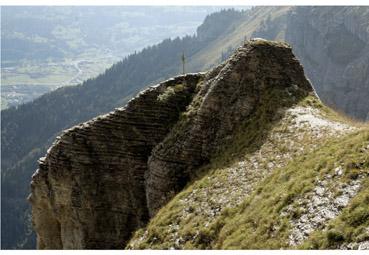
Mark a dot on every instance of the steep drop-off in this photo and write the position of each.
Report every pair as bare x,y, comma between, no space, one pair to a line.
101,180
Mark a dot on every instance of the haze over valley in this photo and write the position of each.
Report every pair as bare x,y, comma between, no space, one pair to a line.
44,48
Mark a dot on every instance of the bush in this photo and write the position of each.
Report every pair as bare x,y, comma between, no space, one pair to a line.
334,236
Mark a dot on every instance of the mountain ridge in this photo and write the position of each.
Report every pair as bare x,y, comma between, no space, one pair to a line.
22,146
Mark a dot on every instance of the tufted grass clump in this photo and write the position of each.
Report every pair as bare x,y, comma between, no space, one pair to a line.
171,91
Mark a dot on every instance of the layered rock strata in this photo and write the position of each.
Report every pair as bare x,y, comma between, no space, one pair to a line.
89,191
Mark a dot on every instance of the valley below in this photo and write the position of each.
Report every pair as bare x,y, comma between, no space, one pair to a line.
26,81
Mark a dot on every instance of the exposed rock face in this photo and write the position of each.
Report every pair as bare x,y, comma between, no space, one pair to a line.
89,190
104,178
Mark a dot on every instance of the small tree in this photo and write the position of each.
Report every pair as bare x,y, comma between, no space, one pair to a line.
183,58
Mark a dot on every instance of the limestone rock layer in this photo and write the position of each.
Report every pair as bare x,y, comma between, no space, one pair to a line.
89,192
103,179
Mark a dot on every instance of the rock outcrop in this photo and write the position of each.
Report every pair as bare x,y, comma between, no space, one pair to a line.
103,179
89,191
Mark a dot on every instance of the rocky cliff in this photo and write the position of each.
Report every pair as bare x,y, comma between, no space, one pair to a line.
258,73
185,152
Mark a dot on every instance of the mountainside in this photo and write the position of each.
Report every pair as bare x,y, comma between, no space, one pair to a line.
337,59
261,162
95,171
330,71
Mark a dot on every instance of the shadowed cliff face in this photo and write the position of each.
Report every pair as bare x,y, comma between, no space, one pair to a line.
89,190
103,179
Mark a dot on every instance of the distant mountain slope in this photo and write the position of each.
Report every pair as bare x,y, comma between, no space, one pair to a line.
331,43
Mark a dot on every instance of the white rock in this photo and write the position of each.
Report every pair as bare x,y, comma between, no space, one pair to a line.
338,171
342,200
319,191
364,245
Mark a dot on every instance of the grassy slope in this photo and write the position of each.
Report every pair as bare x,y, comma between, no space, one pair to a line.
257,223
239,199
